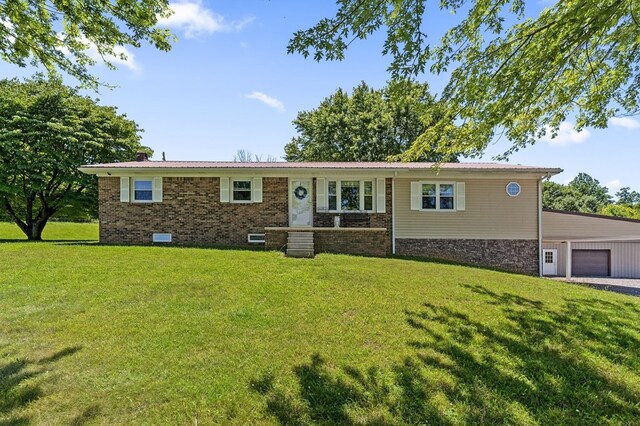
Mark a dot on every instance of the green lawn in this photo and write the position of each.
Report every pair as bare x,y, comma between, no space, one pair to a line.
159,335
54,231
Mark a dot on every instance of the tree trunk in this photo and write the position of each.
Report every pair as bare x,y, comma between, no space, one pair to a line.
31,228
36,229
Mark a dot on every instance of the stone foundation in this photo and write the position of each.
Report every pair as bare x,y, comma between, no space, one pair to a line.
519,256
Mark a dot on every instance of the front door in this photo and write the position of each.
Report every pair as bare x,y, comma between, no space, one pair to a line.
550,262
301,207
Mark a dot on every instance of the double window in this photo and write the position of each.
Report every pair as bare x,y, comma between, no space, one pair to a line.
437,196
349,195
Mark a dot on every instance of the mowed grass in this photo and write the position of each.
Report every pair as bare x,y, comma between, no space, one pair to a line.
157,335
54,231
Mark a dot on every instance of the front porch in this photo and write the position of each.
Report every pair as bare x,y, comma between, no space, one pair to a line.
352,240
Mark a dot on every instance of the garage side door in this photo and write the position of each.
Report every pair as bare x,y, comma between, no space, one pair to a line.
591,263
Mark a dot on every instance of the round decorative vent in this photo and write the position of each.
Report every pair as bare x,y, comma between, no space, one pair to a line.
513,189
300,192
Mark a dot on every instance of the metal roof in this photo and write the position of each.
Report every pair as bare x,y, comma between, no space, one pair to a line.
190,165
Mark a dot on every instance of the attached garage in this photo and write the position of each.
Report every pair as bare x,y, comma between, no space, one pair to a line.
591,263
587,245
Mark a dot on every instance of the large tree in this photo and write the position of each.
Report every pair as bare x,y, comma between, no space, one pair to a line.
47,130
583,194
368,125
59,34
575,58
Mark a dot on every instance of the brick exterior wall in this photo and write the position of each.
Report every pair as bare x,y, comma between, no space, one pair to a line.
276,240
356,242
190,210
519,256
365,220
363,243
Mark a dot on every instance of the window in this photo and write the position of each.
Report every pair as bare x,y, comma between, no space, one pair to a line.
368,195
446,196
548,257
256,238
241,191
429,196
143,190
513,189
159,237
438,196
350,195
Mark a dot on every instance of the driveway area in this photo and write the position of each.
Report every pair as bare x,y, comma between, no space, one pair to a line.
619,285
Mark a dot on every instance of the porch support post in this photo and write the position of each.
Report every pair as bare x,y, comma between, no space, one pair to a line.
568,261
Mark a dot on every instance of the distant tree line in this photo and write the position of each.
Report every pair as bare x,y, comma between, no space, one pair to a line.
585,194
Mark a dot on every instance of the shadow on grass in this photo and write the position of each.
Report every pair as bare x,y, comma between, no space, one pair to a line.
19,387
574,364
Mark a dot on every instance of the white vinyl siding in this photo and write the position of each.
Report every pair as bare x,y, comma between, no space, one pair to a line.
489,212
561,226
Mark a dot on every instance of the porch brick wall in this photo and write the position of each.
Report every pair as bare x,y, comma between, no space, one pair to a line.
357,242
190,210
519,256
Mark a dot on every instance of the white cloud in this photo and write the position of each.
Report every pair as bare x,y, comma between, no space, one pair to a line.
613,185
567,134
128,60
626,122
195,20
122,55
267,100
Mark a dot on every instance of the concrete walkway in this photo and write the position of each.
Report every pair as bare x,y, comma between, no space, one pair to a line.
628,286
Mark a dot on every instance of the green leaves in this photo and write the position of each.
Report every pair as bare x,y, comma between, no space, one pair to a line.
370,125
575,58
583,194
47,130
58,34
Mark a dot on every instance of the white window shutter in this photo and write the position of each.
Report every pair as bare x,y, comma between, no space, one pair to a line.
460,196
416,195
381,191
321,194
224,189
124,189
257,190
157,190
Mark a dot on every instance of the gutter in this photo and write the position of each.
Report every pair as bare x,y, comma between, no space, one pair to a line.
393,213
540,182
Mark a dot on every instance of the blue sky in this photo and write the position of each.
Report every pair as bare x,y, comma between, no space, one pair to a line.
228,84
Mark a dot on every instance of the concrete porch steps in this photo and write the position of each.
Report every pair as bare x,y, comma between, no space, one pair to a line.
300,244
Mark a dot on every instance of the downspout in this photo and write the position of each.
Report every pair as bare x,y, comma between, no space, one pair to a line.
393,213
540,182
